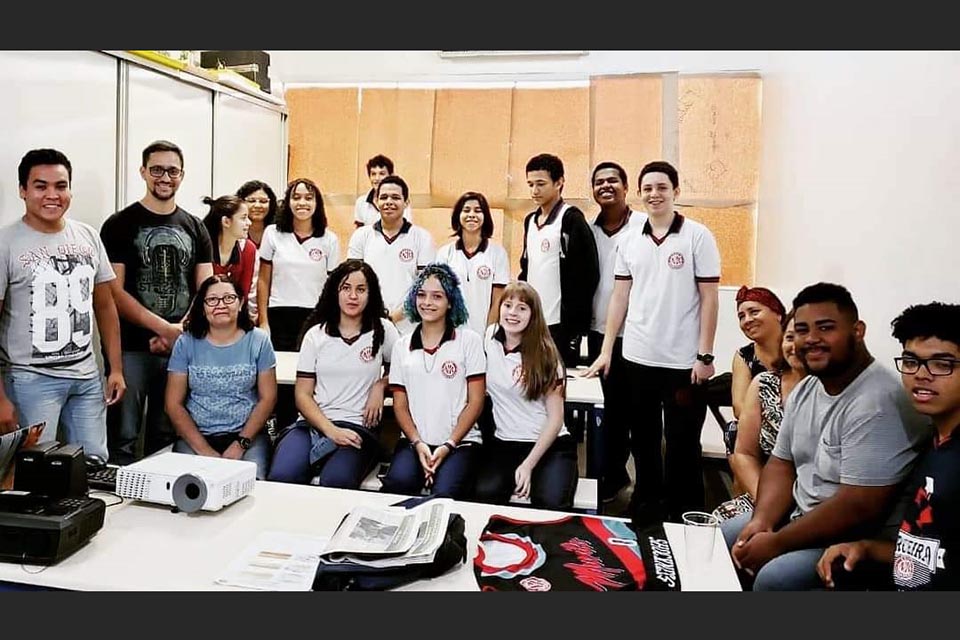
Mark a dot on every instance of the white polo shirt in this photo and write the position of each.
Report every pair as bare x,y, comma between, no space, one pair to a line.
365,212
543,260
517,419
299,268
479,273
343,370
436,382
395,260
607,253
662,327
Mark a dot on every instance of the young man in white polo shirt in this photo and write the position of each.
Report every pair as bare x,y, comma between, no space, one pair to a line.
609,184
365,210
667,276
394,247
559,257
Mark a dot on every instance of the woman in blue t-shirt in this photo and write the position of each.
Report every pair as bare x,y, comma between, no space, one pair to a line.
222,382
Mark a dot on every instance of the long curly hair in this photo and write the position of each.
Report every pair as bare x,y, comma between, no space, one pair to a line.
327,311
457,313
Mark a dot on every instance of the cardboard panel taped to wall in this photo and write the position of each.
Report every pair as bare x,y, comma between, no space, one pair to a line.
735,231
471,137
323,137
513,235
719,123
437,221
397,123
555,121
340,221
627,114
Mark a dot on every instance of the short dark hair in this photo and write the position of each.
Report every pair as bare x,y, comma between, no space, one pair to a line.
327,309
546,162
285,215
158,146
251,187
486,229
828,292
395,180
660,166
380,160
609,165
934,320
196,323
220,208
40,157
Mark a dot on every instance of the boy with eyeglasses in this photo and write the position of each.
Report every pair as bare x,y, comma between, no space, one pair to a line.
922,555
160,254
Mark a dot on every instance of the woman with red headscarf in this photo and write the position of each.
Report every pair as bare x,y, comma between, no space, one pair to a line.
760,314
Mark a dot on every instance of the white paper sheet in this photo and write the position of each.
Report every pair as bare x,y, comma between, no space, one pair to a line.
276,561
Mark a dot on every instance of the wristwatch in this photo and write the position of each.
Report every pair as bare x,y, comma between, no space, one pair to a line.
245,443
705,358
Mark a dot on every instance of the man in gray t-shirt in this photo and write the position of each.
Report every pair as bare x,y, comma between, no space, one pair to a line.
849,437
54,279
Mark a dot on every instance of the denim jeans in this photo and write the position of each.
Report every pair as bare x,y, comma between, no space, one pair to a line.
342,468
146,377
259,452
78,406
455,477
792,571
553,482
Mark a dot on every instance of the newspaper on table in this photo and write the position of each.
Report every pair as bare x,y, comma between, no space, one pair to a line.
389,536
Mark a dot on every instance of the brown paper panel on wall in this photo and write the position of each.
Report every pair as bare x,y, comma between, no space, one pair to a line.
513,235
471,137
340,221
397,123
735,231
719,122
627,123
553,121
323,137
437,221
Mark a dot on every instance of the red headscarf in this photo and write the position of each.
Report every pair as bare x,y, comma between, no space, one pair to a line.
762,295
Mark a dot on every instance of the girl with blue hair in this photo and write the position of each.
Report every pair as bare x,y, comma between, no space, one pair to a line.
437,376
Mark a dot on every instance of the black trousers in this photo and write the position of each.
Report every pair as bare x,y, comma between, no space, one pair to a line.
567,344
614,440
665,405
553,482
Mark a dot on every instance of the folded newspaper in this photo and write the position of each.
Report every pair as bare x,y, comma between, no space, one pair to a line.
389,536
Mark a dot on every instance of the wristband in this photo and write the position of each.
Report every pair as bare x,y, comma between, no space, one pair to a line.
449,445
415,443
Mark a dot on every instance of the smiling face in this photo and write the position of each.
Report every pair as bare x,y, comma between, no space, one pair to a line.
471,216
757,320
221,305
826,338
432,303
932,395
164,186
258,205
377,174
47,196
353,295
390,202
657,193
609,190
303,202
789,347
237,226
515,315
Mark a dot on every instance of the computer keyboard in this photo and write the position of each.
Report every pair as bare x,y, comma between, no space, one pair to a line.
103,479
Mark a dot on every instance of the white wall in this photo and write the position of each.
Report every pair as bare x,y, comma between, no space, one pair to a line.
859,156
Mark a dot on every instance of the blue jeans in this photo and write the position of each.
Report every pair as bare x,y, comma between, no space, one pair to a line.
792,571
259,452
78,406
454,478
146,377
342,469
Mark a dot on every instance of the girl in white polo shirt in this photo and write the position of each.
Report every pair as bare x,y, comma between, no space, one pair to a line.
340,383
531,453
296,254
437,377
479,262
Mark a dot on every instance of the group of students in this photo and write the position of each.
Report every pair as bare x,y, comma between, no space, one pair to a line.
191,313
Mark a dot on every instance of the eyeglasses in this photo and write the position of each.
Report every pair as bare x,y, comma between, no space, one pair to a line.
264,201
228,299
935,366
157,171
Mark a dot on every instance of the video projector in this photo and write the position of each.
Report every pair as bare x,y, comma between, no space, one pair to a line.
187,482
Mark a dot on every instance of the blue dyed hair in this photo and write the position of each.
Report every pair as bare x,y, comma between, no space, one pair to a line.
457,311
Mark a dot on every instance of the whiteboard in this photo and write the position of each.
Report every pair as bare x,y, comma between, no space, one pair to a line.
74,112
161,107
248,145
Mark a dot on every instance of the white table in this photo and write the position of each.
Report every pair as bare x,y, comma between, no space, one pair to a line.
145,547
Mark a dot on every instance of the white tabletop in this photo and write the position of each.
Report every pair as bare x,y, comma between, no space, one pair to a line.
144,547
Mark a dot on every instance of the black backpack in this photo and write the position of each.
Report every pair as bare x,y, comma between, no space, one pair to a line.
355,577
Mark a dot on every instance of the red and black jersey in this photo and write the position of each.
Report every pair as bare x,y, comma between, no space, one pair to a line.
575,553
